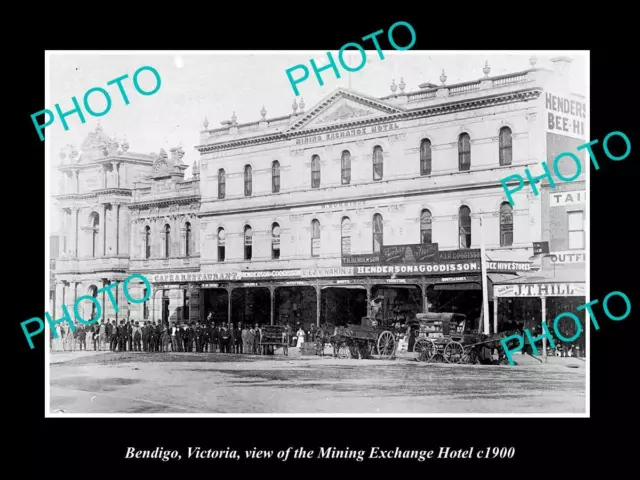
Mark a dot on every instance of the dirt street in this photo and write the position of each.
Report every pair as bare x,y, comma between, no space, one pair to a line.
132,382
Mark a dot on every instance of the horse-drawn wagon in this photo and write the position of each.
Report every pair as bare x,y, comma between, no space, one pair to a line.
359,341
446,337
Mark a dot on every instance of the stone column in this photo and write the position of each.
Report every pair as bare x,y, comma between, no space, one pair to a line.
76,186
73,237
194,304
183,241
117,174
230,292
163,238
272,295
368,300
318,303
117,246
495,314
104,230
59,299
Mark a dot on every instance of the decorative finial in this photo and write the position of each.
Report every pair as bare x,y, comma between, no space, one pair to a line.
486,68
63,154
394,87
533,60
205,123
125,145
402,85
195,170
294,106
263,112
301,104
74,153
443,77
234,118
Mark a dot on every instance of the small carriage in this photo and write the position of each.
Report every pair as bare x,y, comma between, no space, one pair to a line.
446,337
364,340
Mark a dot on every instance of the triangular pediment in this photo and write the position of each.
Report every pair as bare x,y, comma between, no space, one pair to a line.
343,107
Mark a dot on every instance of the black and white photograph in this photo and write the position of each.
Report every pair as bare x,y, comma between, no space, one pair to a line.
228,235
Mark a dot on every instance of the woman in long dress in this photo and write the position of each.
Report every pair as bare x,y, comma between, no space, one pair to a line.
300,336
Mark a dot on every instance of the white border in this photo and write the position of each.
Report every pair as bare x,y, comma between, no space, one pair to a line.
47,355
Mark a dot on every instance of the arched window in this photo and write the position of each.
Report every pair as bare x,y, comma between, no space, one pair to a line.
248,181
315,171
147,242
346,167
378,163
167,240
378,234
505,146
187,239
464,152
345,234
464,220
275,241
248,242
222,183
425,157
425,227
94,222
315,238
221,242
275,177
506,225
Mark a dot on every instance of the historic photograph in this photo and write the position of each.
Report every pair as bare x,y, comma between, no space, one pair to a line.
225,239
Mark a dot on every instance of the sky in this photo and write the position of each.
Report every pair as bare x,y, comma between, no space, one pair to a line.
217,84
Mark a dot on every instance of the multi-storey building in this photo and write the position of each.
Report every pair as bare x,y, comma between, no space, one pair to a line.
104,225
299,213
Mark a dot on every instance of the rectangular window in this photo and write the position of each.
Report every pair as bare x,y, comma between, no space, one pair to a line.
185,305
221,253
576,230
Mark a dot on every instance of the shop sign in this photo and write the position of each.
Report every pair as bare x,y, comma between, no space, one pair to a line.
361,259
574,197
540,247
253,284
396,280
295,283
343,282
195,277
498,267
564,116
420,269
568,257
417,253
269,273
467,279
326,272
210,285
540,290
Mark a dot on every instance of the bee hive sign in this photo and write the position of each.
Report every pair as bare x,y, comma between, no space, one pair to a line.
564,115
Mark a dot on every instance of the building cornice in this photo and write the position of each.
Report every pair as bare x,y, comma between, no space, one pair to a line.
416,113
382,196
95,193
165,202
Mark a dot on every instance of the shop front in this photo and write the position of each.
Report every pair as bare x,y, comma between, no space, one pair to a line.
529,301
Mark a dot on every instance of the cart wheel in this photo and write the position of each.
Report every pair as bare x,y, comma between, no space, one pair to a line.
453,352
386,344
469,355
423,349
344,351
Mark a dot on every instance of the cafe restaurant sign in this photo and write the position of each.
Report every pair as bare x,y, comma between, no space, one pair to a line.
540,290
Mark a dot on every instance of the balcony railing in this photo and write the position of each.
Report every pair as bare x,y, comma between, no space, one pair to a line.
91,264
142,264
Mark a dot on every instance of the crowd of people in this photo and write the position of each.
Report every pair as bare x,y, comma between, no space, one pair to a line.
151,336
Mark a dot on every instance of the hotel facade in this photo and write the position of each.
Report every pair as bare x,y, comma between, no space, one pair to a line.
308,217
